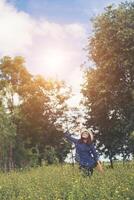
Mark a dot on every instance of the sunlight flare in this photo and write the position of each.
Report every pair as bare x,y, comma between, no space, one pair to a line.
54,62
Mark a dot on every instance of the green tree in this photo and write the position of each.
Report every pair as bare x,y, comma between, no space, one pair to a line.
131,143
109,84
44,105
35,104
7,139
13,77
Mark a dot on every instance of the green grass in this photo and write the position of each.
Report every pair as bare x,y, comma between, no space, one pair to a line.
67,183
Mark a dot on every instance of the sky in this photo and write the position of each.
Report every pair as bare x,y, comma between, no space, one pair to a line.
50,34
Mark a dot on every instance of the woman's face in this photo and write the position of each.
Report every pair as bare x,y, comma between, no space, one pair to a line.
84,137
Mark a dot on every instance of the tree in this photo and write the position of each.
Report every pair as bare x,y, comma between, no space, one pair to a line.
109,84
35,104
7,137
44,103
131,143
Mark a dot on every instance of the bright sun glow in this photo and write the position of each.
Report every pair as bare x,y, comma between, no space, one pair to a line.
54,62
54,65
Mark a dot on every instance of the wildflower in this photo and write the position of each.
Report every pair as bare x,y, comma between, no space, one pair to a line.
116,191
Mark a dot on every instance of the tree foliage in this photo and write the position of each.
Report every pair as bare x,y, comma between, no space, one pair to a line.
34,105
109,84
7,138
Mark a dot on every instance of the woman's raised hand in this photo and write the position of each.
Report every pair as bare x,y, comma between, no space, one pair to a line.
59,128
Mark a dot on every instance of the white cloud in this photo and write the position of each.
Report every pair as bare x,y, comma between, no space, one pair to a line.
15,30
23,35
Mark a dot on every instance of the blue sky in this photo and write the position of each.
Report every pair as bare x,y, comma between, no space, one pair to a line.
63,11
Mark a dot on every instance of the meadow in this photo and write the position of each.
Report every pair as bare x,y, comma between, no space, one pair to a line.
67,183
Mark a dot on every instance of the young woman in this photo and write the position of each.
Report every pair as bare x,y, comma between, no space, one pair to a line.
85,149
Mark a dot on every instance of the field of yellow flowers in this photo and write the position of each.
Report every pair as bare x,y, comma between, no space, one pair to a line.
67,183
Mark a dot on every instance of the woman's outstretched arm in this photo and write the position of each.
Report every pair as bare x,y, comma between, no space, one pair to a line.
68,135
70,138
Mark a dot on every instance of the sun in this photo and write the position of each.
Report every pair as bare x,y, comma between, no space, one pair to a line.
54,61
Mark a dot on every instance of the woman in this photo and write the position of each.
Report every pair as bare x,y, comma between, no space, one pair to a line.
88,157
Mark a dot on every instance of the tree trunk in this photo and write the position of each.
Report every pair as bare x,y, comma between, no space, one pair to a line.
111,163
40,161
10,162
